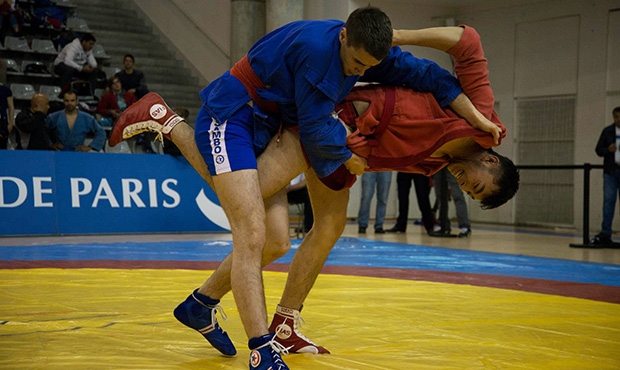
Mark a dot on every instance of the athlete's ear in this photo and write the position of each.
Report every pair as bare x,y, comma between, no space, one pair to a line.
343,35
491,159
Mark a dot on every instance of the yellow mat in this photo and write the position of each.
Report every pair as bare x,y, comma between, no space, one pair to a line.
122,319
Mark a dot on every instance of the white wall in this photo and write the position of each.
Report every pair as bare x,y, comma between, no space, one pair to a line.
593,111
201,32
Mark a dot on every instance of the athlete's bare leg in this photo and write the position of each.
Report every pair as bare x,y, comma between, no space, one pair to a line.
330,215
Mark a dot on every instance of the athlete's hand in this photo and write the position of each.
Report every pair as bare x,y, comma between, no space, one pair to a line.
486,125
356,164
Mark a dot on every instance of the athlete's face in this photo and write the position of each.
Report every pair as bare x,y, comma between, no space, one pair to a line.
617,119
355,61
476,177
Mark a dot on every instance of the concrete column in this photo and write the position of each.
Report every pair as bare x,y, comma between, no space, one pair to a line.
281,12
247,26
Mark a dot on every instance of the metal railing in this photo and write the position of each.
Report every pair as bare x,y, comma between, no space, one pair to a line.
586,167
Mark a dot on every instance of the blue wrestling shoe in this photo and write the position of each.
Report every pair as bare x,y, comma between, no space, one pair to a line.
198,312
266,353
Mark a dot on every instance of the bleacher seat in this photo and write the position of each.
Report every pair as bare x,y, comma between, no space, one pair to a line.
121,147
52,92
17,43
83,91
43,46
77,24
110,71
22,91
35,68
65,3
98,93
12,68
99,52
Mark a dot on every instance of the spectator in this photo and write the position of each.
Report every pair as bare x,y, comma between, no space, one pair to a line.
32,130
70,127
422,191
607,147
115,100
459,201
7,115
76,60
297,192
382,181
10,12
132,79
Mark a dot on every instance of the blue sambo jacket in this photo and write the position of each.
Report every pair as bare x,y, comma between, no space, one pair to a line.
300,65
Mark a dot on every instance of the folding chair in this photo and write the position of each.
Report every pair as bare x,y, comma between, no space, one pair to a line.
22,91
17,43
83,90
77,24
99,52
43,46
35,68
12,68
52,92
110,71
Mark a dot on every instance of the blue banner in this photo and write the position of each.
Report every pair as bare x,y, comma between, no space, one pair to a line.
63,193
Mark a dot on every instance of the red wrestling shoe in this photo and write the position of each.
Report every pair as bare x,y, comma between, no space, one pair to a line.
285,324
151,113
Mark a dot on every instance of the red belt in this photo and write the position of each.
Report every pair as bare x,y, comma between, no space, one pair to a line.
242,70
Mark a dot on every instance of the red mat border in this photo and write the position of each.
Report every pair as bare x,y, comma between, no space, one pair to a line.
595,292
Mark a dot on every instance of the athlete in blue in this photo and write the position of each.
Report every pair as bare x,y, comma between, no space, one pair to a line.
293,76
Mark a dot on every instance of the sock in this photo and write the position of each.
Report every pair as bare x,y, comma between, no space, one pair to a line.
256,342
204,299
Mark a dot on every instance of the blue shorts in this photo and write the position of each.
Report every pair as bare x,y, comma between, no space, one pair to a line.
226,146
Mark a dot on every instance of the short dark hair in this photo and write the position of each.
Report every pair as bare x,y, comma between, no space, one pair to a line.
129,56
616,110
371,29
507,181
69,92
111,80
88,37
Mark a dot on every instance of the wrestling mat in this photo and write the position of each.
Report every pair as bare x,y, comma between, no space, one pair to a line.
378,305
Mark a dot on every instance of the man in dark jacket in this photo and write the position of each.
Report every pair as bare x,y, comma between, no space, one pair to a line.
31,124
607,147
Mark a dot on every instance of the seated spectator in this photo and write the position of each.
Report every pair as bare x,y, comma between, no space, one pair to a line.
3,71
132,79
70,127
7,114
32,131
169,146
115,100
76,60
9,12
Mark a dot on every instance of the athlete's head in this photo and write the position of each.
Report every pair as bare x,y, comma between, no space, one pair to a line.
616,115
365,40
487,176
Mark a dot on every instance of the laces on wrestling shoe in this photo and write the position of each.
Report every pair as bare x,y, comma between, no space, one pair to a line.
145,126
151,113
200,316
267,355
286,323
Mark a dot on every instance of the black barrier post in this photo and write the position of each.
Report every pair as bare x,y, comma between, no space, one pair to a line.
587,167
586,203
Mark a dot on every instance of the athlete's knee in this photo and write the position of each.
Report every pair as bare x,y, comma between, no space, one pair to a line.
275,250
330,229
